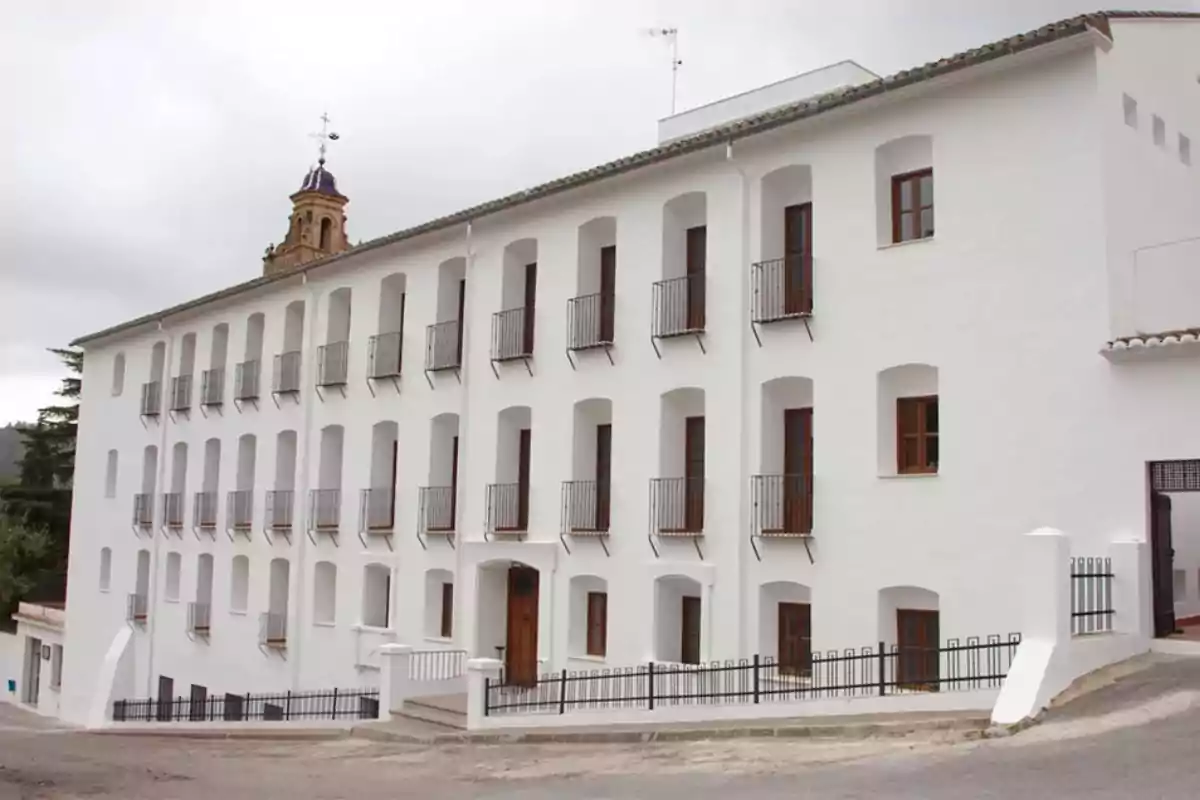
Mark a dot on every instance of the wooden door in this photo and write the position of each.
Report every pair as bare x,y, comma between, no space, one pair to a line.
697,257
603,475
1162,558
391,520
689,628
797,254
917,649
453,522
528,314
462,302
33,668
693,483
608,292
797,470
795,639
520,651
523,480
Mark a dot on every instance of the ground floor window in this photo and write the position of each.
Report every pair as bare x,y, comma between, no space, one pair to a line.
597,623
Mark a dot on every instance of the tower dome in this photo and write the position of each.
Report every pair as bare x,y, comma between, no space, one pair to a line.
319,179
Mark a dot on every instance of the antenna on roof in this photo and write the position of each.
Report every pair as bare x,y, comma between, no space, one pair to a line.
324,137
671,35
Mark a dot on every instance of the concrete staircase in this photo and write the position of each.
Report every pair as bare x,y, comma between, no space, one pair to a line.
448,711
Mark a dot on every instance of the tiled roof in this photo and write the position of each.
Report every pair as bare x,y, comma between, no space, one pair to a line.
741,128
1161,339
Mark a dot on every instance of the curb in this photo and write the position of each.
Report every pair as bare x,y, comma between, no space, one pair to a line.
232,734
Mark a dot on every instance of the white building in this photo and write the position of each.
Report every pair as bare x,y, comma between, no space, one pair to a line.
629,472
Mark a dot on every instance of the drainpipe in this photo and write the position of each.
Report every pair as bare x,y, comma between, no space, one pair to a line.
164,417
464,448
744,625
300,532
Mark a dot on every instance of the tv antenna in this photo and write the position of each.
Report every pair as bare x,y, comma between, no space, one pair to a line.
671,35
324,137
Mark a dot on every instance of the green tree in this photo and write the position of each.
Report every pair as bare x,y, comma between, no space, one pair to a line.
27,558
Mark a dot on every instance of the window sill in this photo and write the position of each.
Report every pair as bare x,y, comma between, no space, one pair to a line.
906,476
591,659
236,612
439,639
324,624
892,245
174,600
361,628
104,590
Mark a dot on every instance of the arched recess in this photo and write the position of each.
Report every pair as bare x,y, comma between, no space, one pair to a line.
508,498
677,495
678,627
587,632
910,626
908,420
239,584
782,278
325,593
785,626
904,189
118,375
376,596
587,497
173,578
507,613
105,568
439,604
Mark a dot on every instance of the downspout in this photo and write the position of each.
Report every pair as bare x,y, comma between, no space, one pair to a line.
744,625
159,478
464,448
307,398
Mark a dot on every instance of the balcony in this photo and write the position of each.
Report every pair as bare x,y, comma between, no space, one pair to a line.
512,336
677,508
173,510
782,289
377,514
678,308
507,510
272,630
212,388
245,381
143,511
437,515
585,509
443,346
286,379
151,399
199,619
137,608
325,511
181,393
591,321
333,363
239,512
279,513
204,511
384,354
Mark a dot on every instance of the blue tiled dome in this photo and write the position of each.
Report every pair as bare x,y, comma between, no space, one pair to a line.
320,180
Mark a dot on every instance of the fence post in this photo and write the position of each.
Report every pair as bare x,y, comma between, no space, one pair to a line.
395,685
562,694
882,670
333,715
650,678
756,678
1131,588
287,707
482,675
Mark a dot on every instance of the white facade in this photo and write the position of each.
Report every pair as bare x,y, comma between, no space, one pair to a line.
1043,193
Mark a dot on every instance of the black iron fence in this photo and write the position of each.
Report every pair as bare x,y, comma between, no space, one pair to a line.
212,387
283,707
782,288
1091,595
507,507
782,504
181,393
679,306
958,665
585,506
443,346
591,320
437,509
512,334
677,506
287,373
333,363
385,351
437,665
151,399
245,380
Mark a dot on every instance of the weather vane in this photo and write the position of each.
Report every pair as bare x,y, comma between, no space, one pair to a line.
324,137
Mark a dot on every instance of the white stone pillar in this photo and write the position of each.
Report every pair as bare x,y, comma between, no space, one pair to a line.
1131,587
1046,586
479,669
393,679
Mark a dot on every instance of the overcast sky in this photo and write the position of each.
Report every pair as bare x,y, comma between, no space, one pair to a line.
149,147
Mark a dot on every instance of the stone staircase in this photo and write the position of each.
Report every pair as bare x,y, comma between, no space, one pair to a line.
448,711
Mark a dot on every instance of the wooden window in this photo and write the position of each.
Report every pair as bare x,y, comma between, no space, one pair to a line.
528,314
696,259
447,627
912,205
597,623
917,435
689,625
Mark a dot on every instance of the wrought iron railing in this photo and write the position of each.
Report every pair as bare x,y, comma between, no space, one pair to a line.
181,393
173,510
591,321
1091,595
972,664
212,387
245,380
782,504
377,509
677,506
507,507
437,509
204,510
437,665
585,506
199,620
151,399
143,510
137,607
385,353
287,373
678,306
781,288
512,334
443,346
333,362
324,509
272,629
239,506
281,707
280,508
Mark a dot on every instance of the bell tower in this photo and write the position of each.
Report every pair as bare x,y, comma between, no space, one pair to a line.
317,225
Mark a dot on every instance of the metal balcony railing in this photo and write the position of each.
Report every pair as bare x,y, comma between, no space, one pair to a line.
377,510
782,288
143,510
287,373
591,320
199,618
173,509
333,362
137,607
239,508
782,504
507,508
443,346
324,509
585,506
272,629
181,393
212,387
280,509
437,509
512,334
677,506
245,380
151,399
204,510
385,351
678,306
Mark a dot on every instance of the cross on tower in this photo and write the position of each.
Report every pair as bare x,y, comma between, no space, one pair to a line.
323,137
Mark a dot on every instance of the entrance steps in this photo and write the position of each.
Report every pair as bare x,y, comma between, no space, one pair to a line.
447,710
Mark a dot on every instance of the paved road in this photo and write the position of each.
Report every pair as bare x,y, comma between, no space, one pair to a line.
1137,739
